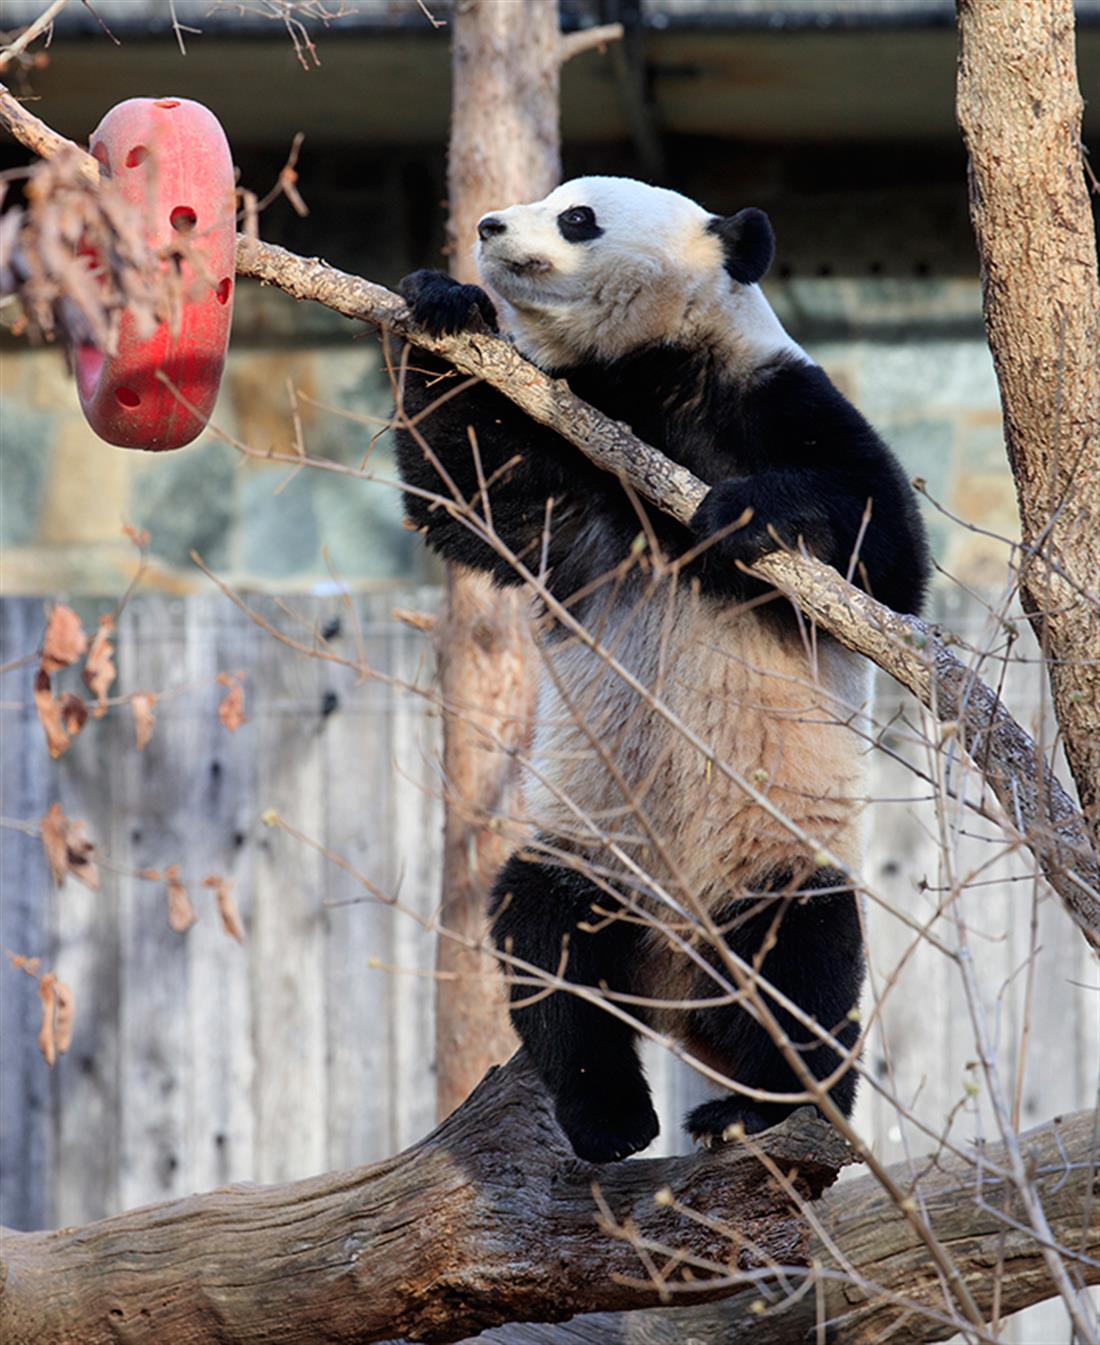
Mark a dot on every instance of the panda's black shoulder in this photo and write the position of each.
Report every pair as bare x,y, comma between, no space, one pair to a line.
793,406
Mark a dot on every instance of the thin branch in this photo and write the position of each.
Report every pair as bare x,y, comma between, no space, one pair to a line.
32,31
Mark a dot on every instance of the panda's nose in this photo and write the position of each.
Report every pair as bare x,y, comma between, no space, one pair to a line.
489,226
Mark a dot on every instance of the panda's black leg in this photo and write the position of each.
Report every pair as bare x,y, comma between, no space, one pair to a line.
553,918
815,958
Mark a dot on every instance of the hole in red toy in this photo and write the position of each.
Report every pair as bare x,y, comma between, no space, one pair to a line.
224,290
127,397
137,155
183,219
99,152
167,102
89,366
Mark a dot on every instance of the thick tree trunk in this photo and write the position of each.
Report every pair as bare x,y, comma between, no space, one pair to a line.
491,1219
1020,111
504,148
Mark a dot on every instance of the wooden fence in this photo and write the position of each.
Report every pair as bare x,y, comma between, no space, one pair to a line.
197,1061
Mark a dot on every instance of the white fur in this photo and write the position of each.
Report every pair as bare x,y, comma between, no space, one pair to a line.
655,274
779,719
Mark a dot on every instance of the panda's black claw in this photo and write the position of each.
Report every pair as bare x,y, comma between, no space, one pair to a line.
443,306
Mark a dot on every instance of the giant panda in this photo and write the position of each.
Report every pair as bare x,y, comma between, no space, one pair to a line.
690,760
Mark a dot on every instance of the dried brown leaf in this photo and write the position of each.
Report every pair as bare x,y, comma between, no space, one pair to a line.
80,850
68,849
64,641
28,964
227,907
55,827
181,914
99,667
49,714
231,709
74,713
47,1033
144,719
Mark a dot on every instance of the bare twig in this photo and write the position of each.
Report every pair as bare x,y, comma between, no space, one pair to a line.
585,39
32,31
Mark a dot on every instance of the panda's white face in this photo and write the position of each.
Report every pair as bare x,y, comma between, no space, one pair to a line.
604,265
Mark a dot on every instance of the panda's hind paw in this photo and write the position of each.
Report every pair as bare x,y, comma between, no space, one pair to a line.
724,1121
604,1130
443,306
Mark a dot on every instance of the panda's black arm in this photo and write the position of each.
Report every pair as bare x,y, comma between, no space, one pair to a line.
866,525
476,451
813,471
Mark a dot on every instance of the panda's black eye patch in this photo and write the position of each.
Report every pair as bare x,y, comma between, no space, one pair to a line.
578,224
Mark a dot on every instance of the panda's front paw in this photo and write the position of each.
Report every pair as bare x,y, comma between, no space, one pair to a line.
604,1125
730,522
443,306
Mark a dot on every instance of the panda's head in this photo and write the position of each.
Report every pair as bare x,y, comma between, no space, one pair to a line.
606,265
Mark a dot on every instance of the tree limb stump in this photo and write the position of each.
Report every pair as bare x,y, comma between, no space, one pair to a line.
489,1219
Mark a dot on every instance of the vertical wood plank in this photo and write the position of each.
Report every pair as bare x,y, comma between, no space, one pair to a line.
417,875
87,1100
222,828
153,829
26,786
288,999
358,828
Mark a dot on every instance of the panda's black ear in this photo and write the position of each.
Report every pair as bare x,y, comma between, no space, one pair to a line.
747,242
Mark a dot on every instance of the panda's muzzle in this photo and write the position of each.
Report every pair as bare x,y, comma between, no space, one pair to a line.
530,266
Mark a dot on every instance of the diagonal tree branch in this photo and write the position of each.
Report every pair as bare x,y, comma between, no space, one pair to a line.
909,649
912,651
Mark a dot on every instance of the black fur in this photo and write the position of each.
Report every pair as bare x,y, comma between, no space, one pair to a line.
788,444
443,306
748,243
815,957
578,224
784,444
545,915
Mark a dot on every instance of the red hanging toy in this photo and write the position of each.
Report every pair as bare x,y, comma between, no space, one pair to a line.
170,159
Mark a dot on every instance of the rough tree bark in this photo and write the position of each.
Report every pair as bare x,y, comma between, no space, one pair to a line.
504,148
491,1218
1019,108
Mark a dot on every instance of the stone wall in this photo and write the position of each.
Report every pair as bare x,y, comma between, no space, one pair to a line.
910,353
